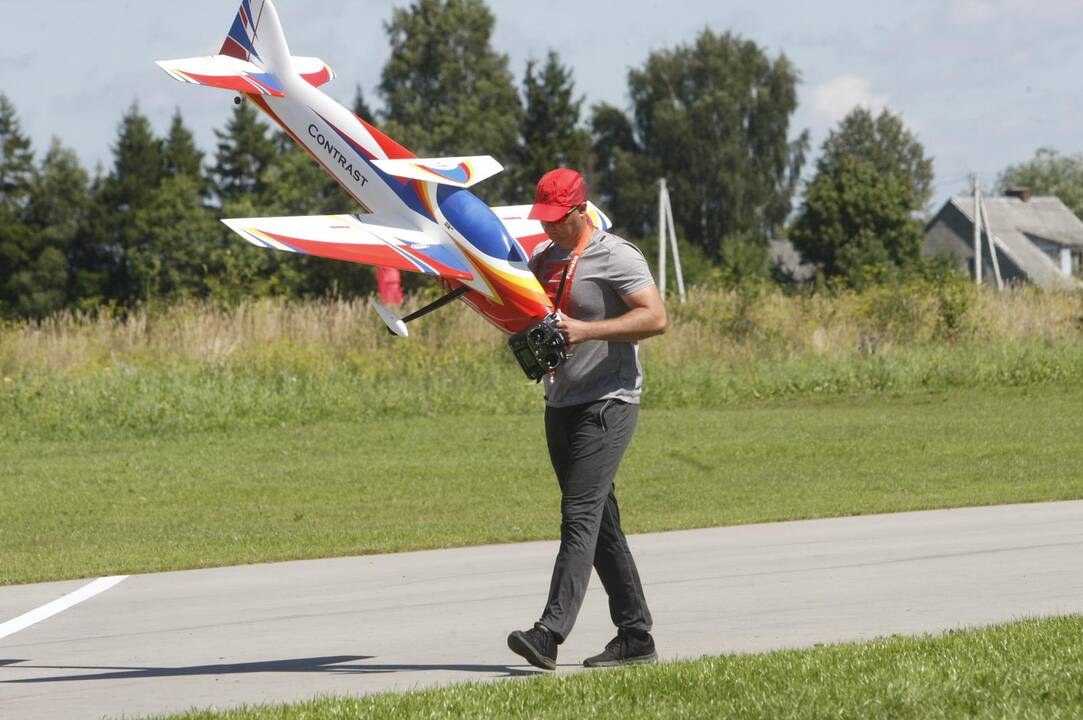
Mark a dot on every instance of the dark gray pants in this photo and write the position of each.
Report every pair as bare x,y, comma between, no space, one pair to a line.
586,443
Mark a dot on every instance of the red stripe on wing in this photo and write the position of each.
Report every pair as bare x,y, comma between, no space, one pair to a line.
375,254
232,82
444,270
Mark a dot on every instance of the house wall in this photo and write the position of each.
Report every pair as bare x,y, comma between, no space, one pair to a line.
952,232
1009,271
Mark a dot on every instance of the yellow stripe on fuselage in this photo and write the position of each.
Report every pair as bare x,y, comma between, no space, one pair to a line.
522,284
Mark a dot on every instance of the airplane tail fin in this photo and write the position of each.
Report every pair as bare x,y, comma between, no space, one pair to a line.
256,37
254,58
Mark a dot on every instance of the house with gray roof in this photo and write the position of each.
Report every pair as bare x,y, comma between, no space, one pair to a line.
1038,239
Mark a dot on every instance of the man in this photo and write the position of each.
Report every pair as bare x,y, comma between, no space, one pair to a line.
608,301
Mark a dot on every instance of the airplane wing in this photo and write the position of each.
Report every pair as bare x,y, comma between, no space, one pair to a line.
456,171
355,238
230,73
223,71
529,233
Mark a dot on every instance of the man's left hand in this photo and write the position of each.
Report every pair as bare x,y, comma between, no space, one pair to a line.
646,317
575,331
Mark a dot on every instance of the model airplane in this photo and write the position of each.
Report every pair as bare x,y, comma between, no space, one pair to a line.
419,215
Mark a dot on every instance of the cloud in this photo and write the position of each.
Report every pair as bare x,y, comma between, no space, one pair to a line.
835,98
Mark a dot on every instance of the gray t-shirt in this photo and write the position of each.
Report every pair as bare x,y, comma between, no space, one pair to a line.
609,268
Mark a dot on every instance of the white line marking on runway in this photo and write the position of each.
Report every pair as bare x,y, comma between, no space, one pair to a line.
59,605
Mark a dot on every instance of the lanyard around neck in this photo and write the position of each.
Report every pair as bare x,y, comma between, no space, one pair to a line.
569,272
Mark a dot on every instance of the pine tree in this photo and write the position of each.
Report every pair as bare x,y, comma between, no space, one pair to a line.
113,239
245,151
178,240
447,91
550,132
361,108
181,156
16,159
92,254
16,175
138,165
54,215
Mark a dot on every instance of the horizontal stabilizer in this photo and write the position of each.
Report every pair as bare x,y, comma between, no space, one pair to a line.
529,232
455,171
355,238
520,212
230,73
225,72
312,69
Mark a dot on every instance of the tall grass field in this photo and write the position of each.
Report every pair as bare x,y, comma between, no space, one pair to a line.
197,368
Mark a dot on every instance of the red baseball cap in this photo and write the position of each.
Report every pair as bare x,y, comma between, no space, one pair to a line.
558,192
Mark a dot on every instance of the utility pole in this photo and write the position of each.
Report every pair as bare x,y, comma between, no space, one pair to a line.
975,183
981,221
662,237
667,231
992,242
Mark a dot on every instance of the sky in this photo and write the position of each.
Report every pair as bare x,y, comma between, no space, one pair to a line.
982,83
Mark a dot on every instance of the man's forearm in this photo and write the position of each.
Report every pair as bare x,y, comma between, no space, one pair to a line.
636,324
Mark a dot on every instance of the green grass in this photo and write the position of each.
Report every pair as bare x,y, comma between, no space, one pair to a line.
1028,669
295,386
92,506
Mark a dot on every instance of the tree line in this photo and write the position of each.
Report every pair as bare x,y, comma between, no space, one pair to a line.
712,116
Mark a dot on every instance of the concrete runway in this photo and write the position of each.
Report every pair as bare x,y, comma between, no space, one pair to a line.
289,631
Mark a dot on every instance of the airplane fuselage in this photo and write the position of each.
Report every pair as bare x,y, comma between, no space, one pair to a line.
503,289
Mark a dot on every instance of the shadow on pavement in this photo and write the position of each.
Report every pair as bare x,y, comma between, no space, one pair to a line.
332,664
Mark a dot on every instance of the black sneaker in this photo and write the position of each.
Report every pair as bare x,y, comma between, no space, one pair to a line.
537,645
627,648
